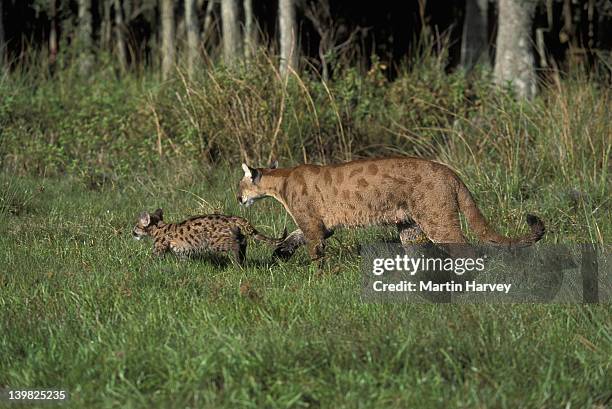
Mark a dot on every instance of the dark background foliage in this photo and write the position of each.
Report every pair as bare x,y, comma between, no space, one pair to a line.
390,29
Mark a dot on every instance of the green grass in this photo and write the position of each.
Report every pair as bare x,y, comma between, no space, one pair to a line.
86,308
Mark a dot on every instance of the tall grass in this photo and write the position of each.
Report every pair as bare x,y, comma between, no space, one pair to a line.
106,127
86,309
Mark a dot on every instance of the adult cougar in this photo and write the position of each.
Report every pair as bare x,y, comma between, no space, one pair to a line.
414,194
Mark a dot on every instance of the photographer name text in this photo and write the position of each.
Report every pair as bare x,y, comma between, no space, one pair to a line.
431,286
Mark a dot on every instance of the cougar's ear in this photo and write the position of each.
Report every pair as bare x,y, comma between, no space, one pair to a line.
144,218
159,213
247,170
273,164
254,174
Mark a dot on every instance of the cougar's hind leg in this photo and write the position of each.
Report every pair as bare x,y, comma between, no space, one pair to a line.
444,229
447,231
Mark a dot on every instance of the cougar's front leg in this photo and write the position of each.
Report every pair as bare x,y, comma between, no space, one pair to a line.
315,234
292,243
289,246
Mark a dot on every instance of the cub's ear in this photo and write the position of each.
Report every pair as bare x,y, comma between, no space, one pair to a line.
159,213
252,173
144,218
273,164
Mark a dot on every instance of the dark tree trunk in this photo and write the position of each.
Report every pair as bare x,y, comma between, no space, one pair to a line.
52,32
2,39
120,34
474,42
106,29
208,22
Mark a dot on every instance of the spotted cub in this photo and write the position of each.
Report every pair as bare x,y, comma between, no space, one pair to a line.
199,234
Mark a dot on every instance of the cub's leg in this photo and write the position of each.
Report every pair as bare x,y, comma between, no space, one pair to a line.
410,233
160,248
178,250
239,247
239,251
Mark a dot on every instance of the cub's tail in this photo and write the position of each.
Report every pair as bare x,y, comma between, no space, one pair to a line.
270,240
248,230
485,232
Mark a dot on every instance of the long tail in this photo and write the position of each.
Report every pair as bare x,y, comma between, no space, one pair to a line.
485,232
248,230
270,240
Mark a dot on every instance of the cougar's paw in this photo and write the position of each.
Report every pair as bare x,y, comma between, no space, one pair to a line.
289,246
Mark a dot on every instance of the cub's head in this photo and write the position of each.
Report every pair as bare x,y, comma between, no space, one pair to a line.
145,222
250,188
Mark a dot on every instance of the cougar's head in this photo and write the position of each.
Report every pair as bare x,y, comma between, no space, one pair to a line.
250,188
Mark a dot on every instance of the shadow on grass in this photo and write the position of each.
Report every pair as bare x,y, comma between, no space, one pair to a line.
224,262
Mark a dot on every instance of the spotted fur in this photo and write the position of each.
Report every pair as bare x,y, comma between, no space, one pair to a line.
199,234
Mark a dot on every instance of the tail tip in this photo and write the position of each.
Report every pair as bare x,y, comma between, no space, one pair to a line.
537,226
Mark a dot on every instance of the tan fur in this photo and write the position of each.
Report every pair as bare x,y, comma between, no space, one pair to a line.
409,192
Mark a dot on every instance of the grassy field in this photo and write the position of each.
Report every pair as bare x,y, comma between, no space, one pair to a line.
86,308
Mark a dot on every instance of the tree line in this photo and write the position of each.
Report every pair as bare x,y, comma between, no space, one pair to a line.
131,29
